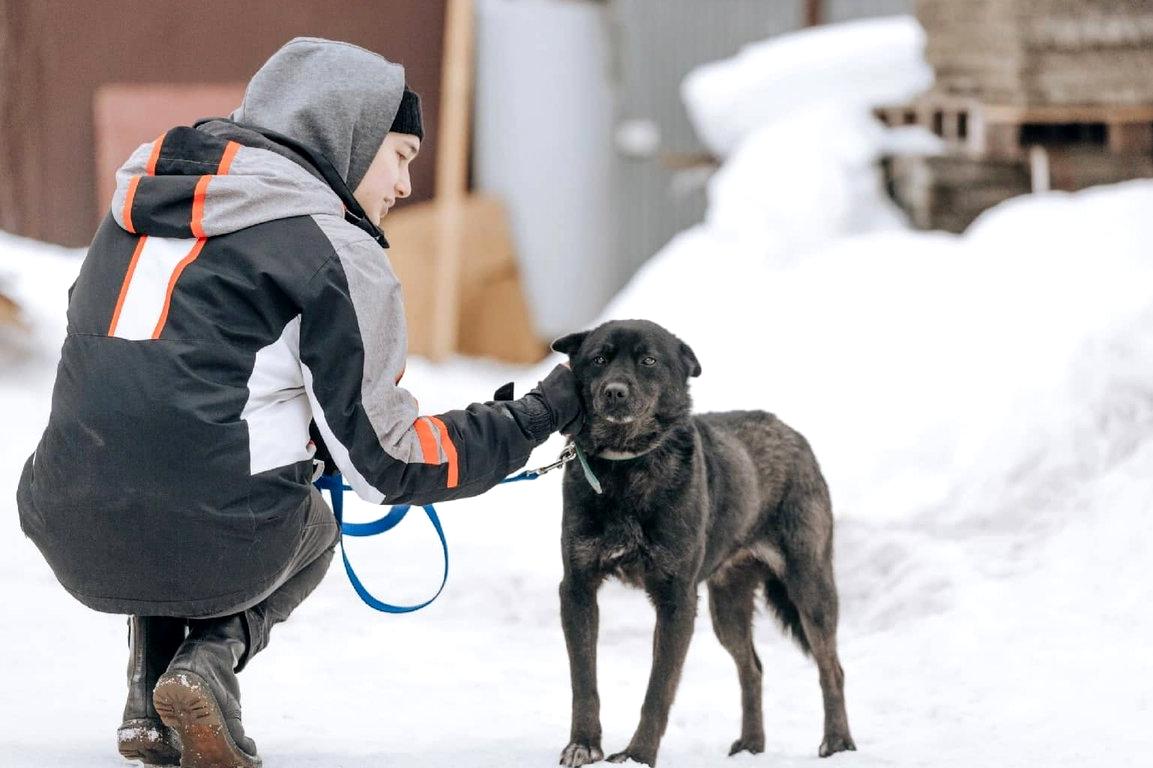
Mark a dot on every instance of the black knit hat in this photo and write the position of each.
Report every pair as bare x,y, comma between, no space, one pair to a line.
407,118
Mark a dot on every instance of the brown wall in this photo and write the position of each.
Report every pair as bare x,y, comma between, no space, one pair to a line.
54,54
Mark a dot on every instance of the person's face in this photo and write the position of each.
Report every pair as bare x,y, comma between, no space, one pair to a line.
387,178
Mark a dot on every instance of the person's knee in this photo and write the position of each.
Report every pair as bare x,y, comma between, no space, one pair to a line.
328,532
321,524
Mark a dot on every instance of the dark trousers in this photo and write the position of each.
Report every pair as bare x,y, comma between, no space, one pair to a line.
302,575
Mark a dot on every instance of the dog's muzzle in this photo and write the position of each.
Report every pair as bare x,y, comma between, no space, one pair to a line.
616,402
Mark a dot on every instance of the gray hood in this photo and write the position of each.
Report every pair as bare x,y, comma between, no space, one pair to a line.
337,98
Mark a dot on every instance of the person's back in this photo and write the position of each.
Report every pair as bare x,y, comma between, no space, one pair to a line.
178,411
237,294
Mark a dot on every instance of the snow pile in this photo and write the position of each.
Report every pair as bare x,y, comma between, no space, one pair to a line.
36,276
864,63
792,116
914,347
970,384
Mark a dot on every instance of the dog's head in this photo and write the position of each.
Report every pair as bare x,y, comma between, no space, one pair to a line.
634,379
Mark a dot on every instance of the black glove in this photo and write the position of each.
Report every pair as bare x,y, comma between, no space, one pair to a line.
561,393
553,404
322,453
503,394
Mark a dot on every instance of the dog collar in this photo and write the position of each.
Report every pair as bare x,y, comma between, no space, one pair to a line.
622,455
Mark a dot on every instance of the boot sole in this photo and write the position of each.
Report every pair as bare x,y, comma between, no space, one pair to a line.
146,741
186,705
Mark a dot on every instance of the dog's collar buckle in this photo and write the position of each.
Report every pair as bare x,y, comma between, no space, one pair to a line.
568,454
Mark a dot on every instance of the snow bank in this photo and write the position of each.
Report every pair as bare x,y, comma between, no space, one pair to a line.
971,386
801,182
864,63
907,349
792,118
36,276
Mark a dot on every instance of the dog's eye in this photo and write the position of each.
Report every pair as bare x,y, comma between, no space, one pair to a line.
600,360
649,360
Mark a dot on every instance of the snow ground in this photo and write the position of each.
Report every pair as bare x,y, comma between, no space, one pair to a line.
982,406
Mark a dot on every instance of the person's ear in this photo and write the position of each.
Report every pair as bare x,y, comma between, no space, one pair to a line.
571,344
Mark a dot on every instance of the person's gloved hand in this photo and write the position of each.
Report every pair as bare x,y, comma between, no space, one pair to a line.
504,393
552,405
322,453
561,393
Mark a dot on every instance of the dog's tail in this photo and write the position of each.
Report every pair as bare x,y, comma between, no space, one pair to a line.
786,612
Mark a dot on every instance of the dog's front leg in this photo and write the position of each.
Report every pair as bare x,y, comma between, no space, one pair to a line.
580,617
676,605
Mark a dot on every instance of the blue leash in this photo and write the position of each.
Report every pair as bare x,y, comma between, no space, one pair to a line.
335,486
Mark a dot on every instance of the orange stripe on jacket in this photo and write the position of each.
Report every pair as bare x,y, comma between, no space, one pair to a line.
155,156
124,287
428,449
130,196
201,192
191,257
197,223
226,161
449,450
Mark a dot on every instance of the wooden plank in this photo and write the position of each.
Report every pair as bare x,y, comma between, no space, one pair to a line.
1002,140
1087,113
814,13
451,176
1131,138
473,302
494,322
493,316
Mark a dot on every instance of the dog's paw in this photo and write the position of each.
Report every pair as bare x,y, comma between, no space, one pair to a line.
635,755
754,745
835,743
577,754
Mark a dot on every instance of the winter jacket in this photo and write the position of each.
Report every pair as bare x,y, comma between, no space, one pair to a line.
232,296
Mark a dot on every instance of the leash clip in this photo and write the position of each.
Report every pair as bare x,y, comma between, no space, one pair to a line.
570,453
567,455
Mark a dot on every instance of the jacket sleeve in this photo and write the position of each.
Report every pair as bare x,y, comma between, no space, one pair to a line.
352,353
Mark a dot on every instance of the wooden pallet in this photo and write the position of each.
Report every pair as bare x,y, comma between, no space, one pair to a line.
1007,131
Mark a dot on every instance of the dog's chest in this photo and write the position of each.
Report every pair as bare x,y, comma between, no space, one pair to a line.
621,548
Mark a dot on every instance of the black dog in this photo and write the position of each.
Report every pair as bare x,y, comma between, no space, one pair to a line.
732,499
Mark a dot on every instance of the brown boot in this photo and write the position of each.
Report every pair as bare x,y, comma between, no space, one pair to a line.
199,696
152,642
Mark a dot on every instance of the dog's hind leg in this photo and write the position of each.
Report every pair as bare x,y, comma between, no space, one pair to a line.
731,596
813,591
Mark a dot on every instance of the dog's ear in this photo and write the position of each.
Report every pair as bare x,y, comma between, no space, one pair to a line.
569,345
690,359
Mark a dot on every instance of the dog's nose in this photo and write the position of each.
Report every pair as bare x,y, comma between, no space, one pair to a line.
616,392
